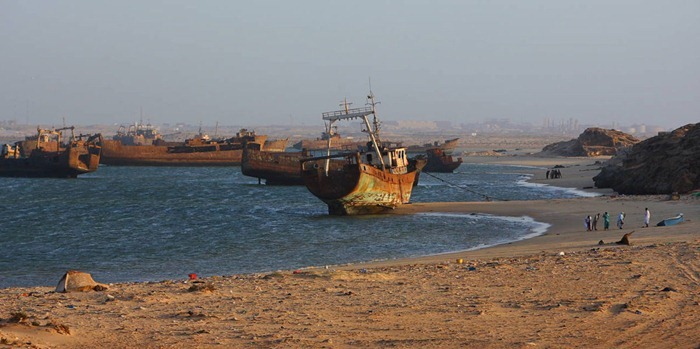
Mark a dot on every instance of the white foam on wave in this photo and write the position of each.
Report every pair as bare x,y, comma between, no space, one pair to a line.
536,228
524,178
523,181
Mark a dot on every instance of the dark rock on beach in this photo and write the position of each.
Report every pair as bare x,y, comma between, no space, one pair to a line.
593,141
664,164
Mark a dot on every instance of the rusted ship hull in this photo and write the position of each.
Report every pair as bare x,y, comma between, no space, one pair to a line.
123,150
439,161
69,164
79,157
276,168
419,162
448,146
322,144
276,145
359,188
374,178
116,154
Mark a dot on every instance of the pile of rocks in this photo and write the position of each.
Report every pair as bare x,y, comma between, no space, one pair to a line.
664,164
593,141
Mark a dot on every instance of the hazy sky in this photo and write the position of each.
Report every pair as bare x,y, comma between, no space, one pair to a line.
264,62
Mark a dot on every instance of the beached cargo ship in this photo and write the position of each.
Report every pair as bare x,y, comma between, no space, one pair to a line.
283,168
142,146
45,155
277,168
448,146
439,155
337,142
440,161
373,179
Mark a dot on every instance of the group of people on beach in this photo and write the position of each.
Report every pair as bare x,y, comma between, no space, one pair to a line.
555,173
591,223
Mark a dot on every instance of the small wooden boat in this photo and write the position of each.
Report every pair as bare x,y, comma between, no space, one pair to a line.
45,155
373,179
671,221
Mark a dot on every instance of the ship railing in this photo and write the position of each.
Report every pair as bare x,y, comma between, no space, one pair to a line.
347,114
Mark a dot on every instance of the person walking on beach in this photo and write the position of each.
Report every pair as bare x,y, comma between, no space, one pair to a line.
547,175
647,217
606,220
587,223
621,220
596,218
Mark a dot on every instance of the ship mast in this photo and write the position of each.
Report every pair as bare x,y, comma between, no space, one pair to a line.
372,103
346,105
374,134
349,114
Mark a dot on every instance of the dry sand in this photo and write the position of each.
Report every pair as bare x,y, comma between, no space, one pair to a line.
558,290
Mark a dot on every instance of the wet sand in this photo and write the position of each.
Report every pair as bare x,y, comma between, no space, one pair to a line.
560,289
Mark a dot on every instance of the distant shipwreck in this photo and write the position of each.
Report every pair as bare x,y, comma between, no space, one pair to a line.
141,145
45,155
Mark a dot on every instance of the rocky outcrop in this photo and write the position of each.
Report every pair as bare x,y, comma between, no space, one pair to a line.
593,141
667,163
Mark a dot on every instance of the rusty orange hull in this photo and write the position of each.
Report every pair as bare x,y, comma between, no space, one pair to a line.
441,161
84,159
77,159
276,145
116,154
359,188
448,146
276,168
322,144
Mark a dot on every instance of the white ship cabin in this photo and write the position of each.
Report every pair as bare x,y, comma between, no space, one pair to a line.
395,160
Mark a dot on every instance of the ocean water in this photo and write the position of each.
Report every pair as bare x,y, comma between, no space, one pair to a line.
154,223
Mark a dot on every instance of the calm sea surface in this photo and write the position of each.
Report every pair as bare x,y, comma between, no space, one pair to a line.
155,223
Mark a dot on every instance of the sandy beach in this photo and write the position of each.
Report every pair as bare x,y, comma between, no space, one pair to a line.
566,288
